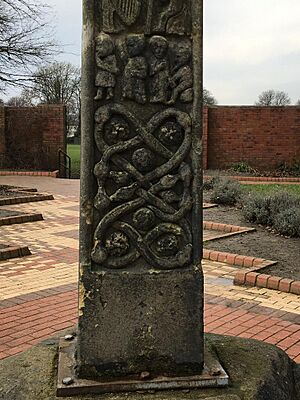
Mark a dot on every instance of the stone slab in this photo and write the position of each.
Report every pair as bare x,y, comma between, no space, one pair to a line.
133,322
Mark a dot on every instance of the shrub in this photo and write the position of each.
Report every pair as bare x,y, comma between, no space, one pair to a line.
264,210
287,222
257,210
243,166
226,191
281,201
210,183
292,169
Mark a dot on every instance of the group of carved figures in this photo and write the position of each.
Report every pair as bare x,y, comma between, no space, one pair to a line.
153,69
144,189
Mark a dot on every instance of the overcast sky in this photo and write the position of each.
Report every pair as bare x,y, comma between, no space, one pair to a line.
249,45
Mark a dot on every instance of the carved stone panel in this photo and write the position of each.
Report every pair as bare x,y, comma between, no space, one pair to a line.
151,69
147,16
144,189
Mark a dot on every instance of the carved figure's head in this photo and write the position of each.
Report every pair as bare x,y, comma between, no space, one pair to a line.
159,46
182,53
104,45
135,45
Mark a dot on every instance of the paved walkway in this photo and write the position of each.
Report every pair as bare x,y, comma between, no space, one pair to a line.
38,293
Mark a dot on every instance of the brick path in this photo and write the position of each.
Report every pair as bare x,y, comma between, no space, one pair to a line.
38,293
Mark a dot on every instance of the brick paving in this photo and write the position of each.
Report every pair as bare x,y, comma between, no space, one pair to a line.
38,293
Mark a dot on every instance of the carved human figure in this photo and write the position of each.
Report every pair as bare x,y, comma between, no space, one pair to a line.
107,69
181,81
118,14
173,17
135,71
159,70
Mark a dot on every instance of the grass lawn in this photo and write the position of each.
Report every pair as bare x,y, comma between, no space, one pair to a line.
267,189
73,151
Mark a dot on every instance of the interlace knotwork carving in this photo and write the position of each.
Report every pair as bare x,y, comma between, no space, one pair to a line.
144,189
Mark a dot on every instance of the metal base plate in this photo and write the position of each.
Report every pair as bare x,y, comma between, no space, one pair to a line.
68,384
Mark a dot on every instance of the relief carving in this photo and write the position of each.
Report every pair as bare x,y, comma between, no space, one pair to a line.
159,70
144,189
118,14
181,81
136,70
173,17
107,69
154,69
149,16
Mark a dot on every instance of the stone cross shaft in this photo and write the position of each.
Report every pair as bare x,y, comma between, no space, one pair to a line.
141,283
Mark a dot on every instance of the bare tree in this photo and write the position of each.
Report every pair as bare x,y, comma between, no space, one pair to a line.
208,98
298,103
59,83
25,30
273,98
24,100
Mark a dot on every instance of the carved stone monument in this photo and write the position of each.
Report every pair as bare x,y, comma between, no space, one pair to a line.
141,283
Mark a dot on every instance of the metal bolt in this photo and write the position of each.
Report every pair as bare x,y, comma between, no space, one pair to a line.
69,338
68,381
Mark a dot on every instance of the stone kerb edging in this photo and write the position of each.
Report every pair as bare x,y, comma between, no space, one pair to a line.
52,174
26,199
258,179
20,219
14,252
249,275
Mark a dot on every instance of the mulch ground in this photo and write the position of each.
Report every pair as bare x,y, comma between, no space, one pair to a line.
261,244
9,213
6,192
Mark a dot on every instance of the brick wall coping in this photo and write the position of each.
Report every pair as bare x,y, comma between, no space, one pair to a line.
53,174
258,179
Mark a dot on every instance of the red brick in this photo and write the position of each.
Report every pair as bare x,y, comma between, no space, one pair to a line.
222,257
285,285
240,277
213,255
262,280
231,258
295,287
239,260
297,359
248,262
251,278
273,282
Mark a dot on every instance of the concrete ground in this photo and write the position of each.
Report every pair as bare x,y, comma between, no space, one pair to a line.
38,293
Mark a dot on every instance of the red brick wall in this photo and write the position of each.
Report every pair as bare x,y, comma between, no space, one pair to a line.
2,136
261,136
34,135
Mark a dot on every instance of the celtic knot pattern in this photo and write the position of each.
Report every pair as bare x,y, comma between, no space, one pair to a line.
144,190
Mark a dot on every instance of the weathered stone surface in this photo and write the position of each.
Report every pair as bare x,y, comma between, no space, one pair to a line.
136,322
141,283
258,372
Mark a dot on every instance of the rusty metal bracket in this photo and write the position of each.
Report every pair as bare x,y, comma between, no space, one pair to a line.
68,384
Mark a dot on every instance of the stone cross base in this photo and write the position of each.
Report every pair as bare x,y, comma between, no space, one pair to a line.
142,323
